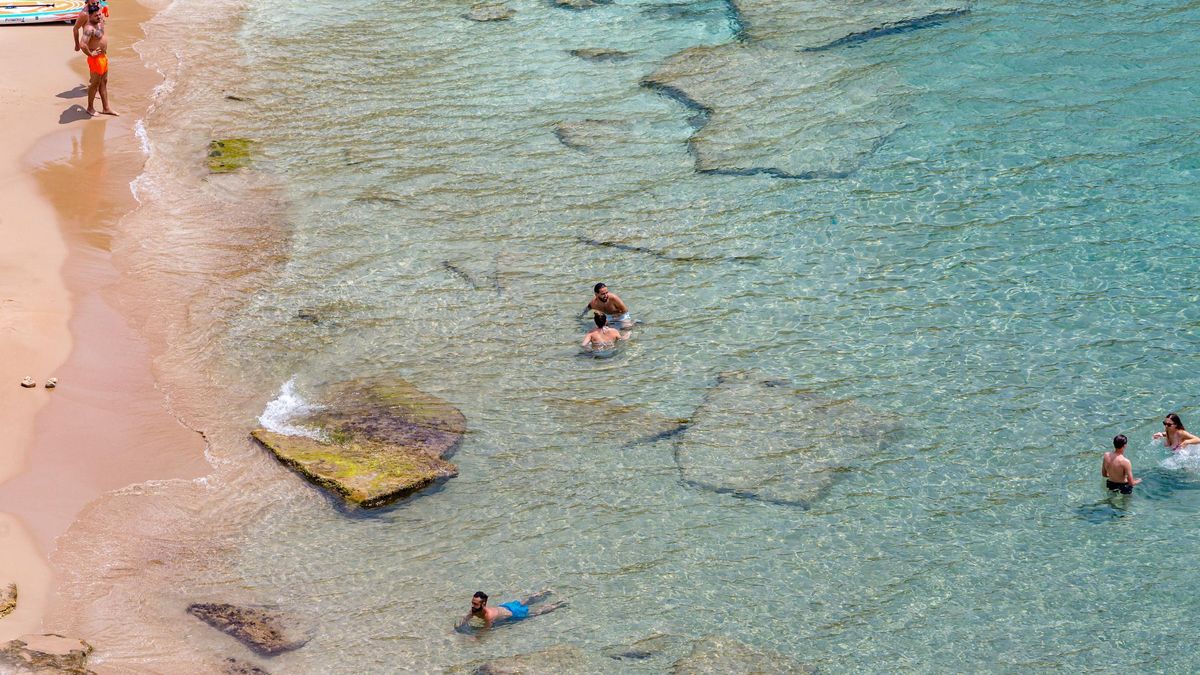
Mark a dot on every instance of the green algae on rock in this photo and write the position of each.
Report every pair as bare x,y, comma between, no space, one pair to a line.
8,601
379,441
229,154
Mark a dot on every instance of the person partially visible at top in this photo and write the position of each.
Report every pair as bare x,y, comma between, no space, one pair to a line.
1174,435
82,19
95,46
603,336
609,304
514,610
1117,469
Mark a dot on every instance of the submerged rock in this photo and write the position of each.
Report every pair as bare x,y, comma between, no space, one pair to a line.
49,653
229,154
262,630
581,4
553,661
782,113
379,441
817,24
591,134
600,54
234,666
716,655
762,439
651,647
8,600
490,11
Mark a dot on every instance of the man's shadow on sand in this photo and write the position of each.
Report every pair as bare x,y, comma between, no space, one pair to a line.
73,114
79,91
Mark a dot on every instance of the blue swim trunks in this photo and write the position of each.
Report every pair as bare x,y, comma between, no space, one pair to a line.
518,610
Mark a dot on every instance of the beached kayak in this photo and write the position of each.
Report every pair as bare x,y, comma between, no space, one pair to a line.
39,11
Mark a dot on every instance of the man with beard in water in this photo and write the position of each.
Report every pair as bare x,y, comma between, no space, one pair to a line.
509,611
611,306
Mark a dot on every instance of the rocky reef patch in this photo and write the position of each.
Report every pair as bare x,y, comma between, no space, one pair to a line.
375,442
715,655
263,630
762,439
228,155
49,653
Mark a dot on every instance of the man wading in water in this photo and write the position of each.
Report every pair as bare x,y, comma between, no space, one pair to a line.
1117,469
612,307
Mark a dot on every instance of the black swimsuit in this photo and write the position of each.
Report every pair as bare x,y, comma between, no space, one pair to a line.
1123,488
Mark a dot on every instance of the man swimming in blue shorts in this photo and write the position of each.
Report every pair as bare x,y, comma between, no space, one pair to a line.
509,611
611,306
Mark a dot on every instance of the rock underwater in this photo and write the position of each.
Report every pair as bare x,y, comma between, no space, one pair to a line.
380,441
262,630
485,12
49,653
779,101
782,113
8,600
228,155
716,655
762,439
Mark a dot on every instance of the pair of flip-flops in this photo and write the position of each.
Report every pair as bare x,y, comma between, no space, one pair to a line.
28,382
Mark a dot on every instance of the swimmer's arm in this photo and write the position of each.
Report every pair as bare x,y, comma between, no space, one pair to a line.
1102,465
586,339
1129,474
621,308
624,335
1188,439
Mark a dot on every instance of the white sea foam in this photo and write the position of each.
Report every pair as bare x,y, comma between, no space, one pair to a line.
284,409
139,130
1186,458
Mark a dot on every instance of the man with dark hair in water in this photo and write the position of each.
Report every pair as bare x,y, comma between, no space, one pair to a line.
603,336
1117,469
610,305
509,611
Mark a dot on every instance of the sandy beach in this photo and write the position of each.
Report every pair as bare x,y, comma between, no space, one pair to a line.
65,188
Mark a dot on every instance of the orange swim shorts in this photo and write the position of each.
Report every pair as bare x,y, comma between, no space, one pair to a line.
98,64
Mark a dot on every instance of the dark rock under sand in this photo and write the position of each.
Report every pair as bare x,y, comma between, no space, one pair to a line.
490,11
380,440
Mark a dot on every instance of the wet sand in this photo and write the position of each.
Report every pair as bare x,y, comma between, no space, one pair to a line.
65,188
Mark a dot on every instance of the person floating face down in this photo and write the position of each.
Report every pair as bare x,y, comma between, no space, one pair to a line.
1117,469
610,305
509,611
1174,435
95,45
603,336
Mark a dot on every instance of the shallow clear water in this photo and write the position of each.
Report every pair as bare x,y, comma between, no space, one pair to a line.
1008,275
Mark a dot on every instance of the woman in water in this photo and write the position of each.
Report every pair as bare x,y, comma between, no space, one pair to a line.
602,336
1174,435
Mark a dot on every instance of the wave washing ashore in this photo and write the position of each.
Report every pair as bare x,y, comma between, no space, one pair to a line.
899,272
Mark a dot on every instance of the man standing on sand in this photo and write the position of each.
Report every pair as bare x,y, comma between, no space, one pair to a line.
95,46
1117,469
611,306
81,19
509,611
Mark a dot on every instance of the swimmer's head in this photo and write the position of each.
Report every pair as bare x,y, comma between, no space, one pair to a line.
600,319
1119,441
478,602
1172,420
601,291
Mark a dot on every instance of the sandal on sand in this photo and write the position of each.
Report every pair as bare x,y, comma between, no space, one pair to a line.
28,382
52,383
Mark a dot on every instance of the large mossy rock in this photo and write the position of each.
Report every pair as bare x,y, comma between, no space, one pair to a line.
262,630
229,154
50,653
716,655
377,442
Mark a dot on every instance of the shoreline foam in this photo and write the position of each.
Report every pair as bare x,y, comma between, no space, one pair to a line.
107,425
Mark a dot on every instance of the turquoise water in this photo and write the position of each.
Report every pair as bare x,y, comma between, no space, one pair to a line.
1004,283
